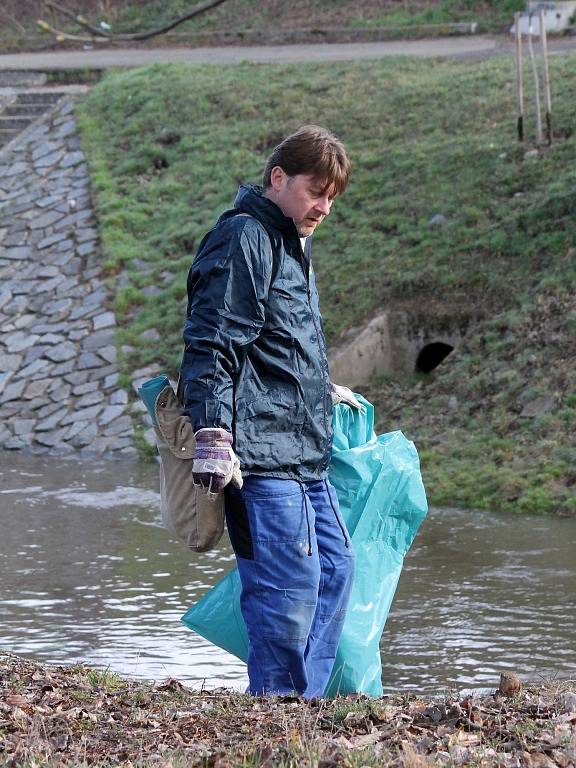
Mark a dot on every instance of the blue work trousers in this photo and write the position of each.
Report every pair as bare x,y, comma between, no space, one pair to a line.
296,564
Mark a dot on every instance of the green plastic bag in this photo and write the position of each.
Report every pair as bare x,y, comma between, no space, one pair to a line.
383,502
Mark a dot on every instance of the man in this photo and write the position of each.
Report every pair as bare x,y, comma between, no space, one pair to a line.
258,394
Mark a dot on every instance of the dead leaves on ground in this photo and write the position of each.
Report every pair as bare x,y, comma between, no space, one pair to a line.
69,716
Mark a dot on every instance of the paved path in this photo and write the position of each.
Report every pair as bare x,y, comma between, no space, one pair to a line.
464,46
459,47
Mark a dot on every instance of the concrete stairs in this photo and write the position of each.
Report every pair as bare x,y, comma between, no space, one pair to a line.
18,114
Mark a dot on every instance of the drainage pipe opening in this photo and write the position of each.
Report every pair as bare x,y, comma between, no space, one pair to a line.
431,356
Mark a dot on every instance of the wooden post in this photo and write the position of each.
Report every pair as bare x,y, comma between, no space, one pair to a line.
536,82
547,94
519,83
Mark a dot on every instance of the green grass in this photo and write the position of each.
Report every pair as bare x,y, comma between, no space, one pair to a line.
494,15
168,145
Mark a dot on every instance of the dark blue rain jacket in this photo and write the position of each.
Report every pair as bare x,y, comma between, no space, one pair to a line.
255,356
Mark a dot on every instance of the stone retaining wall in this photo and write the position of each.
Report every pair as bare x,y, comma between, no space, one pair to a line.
59,388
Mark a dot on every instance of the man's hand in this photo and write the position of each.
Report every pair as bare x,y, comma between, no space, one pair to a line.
345,395
215,463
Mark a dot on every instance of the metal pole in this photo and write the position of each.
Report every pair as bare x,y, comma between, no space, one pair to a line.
544,40
536,82
519,83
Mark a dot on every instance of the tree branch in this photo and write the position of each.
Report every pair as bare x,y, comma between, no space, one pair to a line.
110,36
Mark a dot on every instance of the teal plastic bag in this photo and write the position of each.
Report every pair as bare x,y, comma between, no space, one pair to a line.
382,499
150,390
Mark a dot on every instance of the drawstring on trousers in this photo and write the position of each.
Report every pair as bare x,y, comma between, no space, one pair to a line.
337,516
305,508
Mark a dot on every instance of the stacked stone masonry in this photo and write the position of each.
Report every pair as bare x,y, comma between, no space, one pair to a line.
59,390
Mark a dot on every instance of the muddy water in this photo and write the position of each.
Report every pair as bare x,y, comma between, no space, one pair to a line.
88,574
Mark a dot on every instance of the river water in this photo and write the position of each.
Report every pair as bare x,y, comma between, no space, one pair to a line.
87,574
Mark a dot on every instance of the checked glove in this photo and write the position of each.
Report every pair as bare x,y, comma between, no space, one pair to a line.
215,464
345,395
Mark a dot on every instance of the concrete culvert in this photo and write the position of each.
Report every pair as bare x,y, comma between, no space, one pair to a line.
431,356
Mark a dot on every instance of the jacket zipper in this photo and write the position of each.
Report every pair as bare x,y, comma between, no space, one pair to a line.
306,270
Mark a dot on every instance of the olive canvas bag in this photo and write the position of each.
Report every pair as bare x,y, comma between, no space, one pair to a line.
186,510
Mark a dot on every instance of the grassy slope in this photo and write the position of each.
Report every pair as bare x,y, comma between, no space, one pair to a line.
168,145
18,23
252,14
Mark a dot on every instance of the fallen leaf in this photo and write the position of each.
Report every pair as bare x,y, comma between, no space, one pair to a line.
365,740
17,700
464,739
170,684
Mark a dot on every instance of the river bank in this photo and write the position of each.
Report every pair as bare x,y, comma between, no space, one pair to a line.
80,716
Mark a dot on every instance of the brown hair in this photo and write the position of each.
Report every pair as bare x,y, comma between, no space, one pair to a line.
314,151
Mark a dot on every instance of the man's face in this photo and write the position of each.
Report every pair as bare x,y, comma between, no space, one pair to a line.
303,198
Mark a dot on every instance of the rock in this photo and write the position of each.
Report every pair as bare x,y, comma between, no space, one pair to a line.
36,369
569,702
98,339
5,297
64,368
48,410
34,353
51,338
5,434
14,444
50,439
50,240
59,307
86,437
120,429
60,393
50,423
86,248
62,352
88,360
19,341
510,684
97,447
78,377
86,414
108,354
105,320
538,406
46,220
110,413
10,362
152,334
72,159
152,290
111,380
83,389
90,398
12,391
101,373
119,397
23,426
36,389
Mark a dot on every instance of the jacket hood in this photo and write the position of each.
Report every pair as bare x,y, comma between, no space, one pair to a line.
250,199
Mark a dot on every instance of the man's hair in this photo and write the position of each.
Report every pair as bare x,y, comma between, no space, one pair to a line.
312,151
